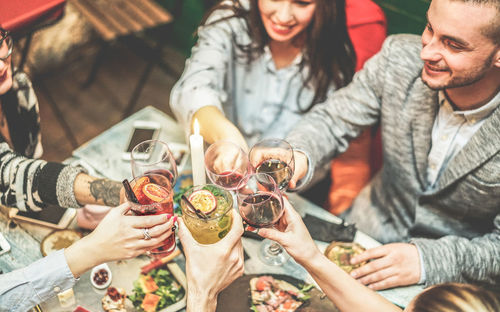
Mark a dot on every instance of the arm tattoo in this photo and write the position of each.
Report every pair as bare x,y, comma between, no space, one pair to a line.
107,190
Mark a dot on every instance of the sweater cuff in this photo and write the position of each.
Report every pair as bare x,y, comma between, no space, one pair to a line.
66,186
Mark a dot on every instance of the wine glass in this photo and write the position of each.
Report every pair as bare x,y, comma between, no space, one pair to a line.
274,157
261,205
226,164
153,157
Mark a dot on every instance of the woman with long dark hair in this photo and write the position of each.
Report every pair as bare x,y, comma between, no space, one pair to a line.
259,65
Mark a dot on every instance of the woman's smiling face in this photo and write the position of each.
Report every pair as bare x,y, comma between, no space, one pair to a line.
285,19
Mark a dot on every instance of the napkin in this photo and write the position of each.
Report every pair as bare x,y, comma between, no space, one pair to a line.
321,230
326,231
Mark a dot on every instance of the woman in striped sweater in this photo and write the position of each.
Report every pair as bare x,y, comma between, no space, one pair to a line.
27,182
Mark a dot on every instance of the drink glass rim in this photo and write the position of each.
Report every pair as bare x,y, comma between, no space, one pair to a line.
191,214
273,140
213,146
241,196
169,154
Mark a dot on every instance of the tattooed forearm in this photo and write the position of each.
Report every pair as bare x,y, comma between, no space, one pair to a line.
106,190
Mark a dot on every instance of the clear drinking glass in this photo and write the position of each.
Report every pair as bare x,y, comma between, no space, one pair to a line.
153,157
261,205
155,195
206,211
226,164
274,157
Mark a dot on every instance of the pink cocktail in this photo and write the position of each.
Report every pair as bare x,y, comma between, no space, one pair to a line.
155,196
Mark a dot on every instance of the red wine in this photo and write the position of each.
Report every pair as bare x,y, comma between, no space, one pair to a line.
261,210
278,169
228,180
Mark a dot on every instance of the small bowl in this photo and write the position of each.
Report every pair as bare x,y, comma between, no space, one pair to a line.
101,271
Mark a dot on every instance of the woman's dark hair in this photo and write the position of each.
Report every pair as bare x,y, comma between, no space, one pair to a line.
329,52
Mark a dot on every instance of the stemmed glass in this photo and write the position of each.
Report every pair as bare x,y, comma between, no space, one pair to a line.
226,164
153,157
261,205
274,157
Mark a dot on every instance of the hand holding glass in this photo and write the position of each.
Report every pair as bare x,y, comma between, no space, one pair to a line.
261,205
274,157
226,164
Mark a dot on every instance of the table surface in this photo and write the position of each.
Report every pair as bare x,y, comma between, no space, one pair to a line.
102,156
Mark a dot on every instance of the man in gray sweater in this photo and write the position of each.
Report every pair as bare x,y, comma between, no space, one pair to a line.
438,195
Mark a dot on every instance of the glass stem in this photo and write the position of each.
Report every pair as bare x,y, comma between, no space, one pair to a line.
275,249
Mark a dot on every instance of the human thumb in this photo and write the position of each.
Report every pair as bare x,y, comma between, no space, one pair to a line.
184,234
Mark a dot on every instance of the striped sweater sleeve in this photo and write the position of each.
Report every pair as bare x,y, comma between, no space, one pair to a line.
30,184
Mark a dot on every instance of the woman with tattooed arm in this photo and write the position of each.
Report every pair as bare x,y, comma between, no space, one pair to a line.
30,183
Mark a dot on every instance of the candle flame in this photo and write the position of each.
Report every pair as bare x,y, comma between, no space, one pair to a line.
196,127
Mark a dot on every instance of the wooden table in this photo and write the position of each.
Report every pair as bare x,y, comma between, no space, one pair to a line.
102,156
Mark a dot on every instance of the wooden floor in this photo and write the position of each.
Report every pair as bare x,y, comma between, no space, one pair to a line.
89,111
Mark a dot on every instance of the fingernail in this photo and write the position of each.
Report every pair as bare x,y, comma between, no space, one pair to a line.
353,261
353,274
175,219
169,216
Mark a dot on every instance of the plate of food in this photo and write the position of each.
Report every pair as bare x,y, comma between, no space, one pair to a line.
272,292
341,254
162,289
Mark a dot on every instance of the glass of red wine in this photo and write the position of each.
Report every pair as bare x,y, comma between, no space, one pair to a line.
274,157
261,205
226,164
153,157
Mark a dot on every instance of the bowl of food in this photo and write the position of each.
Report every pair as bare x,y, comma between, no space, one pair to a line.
341,254
100,276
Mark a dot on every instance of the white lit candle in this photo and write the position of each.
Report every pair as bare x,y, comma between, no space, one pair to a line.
197,155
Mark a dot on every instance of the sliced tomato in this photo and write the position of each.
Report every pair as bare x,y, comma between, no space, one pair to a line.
262,285
155,192
150,302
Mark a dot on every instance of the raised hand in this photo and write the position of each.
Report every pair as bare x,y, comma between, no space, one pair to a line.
118,236
391,265
211,268
292,235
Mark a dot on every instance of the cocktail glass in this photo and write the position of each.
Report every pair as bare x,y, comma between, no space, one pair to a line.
212,219
155,195
153,157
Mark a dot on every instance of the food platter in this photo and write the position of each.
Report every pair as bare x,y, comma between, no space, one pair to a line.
236,297
341,253
126,272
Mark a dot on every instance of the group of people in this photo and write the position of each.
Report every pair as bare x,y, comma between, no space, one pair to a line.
286,68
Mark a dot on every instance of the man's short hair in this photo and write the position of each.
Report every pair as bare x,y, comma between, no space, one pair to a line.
491,31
